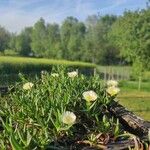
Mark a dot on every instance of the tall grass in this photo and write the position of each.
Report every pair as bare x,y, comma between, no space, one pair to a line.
10,64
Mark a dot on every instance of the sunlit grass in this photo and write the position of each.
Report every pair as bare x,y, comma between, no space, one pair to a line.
140,106
22,60
135,100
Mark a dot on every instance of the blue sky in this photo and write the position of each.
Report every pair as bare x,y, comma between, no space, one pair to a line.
16,14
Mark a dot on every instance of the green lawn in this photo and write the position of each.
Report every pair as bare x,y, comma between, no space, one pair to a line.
135,100
132,86
140,106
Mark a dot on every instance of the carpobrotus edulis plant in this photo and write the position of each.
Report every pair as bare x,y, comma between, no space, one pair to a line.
57,112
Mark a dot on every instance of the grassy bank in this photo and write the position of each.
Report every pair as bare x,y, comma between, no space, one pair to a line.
10,64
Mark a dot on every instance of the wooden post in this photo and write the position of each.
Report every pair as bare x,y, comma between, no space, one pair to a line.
139,84
105,75
95,72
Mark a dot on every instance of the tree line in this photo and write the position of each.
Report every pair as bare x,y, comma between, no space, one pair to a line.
103,40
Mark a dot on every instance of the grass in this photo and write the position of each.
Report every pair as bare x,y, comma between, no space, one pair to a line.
10,64
132,86
135,100
140,106
26,60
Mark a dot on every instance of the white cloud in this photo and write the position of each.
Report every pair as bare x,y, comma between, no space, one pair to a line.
20,13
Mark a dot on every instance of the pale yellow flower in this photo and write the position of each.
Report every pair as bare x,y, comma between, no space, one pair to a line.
72,74
112,83
54,74
68,118
90,96
28,86
112,91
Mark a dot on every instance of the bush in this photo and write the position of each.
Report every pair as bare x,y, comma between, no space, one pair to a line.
36,115
9,52
15,65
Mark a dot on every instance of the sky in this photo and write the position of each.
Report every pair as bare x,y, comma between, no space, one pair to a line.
16,14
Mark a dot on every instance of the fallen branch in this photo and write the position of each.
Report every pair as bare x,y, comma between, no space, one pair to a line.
130,121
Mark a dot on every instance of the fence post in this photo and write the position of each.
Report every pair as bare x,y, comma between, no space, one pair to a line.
105,74
95,72
139,85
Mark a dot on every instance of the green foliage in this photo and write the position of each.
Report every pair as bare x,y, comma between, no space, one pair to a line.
10,52
9,65
72,35
53,41
97,44
131,34
105,40
4,39
32,118
39,38
23,42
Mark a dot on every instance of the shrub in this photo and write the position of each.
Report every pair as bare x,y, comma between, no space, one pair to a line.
10,52
56,111
9,65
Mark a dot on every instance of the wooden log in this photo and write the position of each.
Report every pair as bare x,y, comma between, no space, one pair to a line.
130,121
121,145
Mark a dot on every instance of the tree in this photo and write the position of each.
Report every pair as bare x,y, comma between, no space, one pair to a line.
12,42
53,41
23,42
72,34
39,38
4,39
131,33
97,43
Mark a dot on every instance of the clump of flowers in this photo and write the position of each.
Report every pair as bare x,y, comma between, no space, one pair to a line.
45,121
111,83
28,86
112,91
68,118
72,74
90,96
112,88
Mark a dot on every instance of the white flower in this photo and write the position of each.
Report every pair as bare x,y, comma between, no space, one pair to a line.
112,91
68,118
28,86
54,74
112,83
72,74
90,96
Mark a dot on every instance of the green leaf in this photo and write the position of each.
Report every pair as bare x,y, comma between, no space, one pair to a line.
15,145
